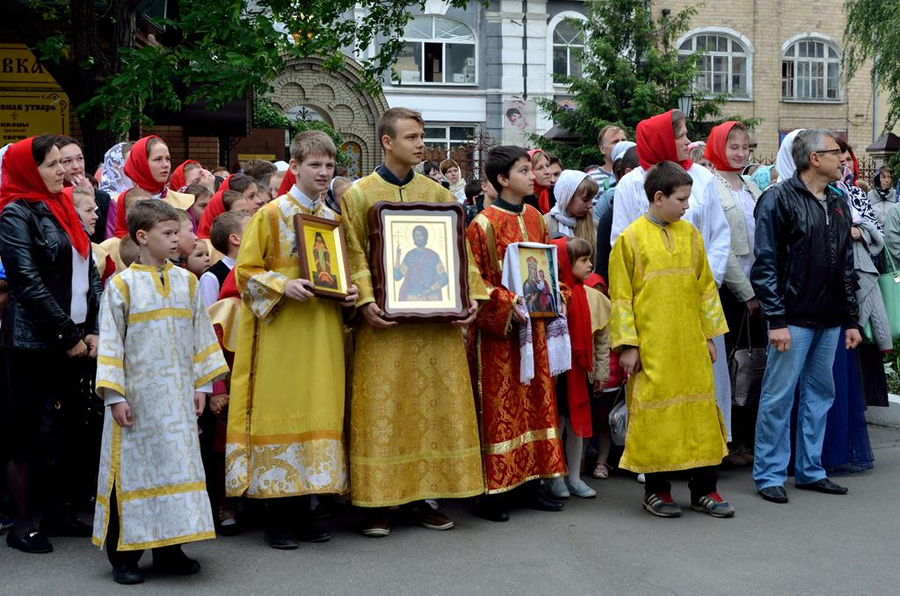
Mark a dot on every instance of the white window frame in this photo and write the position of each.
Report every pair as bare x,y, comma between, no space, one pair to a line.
446,140
443,42
551,29
734,37
829,43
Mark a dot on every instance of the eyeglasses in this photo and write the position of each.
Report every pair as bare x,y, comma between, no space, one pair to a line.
826,151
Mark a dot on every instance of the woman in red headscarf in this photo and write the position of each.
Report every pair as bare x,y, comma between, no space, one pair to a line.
542,199
241,183
148,166
728,149
179,179
50,324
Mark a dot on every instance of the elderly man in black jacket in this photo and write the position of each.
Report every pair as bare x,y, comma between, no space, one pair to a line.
804,280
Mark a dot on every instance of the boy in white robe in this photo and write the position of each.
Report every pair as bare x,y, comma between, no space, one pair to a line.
157,359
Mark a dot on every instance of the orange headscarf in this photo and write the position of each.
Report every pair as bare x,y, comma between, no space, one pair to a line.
22,180
656,142
716,146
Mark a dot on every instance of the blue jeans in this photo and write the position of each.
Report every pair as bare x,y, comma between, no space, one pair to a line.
808,363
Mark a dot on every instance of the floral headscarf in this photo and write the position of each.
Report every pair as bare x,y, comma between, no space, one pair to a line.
114,181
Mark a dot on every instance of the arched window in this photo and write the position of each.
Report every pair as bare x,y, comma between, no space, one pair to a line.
436,50
725,67
568,47
811,70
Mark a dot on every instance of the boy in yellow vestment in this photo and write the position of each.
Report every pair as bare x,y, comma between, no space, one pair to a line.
665,314
286,413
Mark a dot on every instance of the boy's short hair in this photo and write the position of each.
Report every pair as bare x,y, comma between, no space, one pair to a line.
665,177
225,225
500,160
473,189
387,123
577,248
554,160
146,213
198,190
312,142
447,164
230,197
184,216
258,168
128,251
628,161
133,195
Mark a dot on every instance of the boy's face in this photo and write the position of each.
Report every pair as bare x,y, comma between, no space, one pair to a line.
161,241
186,239
408,144
673,207
198,260
87,212
313,174
251,196
582,268
199,205
555,171
520,182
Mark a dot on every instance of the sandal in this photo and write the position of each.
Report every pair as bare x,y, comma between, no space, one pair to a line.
601,471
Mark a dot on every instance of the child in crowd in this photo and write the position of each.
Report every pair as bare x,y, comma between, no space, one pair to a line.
262,192
86,208
336,190
153,501
275,183
128,252
571,217
187,239
112,245
236,201
474,200
665,314
198,261
519,421
202,196
226,234
587,313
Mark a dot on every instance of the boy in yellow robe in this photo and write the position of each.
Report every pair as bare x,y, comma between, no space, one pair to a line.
286,411
665,314
413,431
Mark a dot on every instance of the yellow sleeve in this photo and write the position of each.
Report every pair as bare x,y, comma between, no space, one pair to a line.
113,327
209,363
622,326
356,229
712,317
261,290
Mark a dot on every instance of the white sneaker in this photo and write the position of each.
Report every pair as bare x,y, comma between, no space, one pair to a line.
558,488
641,478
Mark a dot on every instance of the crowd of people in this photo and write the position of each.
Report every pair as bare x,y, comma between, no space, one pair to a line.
166,363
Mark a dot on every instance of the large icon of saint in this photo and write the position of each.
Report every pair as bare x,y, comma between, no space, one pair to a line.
423,274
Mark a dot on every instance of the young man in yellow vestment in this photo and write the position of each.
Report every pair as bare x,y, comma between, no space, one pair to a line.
665,314
413,431
286,413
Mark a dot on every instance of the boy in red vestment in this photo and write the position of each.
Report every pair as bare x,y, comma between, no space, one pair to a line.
519,435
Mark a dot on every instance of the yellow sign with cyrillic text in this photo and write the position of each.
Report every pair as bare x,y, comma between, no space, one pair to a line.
25,114
19,67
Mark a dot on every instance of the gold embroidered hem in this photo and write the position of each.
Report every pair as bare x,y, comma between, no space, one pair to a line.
506,489
265,471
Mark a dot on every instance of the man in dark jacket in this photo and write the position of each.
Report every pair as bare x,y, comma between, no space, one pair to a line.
804,280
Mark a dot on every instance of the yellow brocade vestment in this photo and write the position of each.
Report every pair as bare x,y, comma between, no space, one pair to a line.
413,431
157,347
286,411
665,302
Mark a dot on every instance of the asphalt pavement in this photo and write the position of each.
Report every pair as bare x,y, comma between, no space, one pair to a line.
816,544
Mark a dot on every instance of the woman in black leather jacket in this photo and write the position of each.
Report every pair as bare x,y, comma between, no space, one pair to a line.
49,328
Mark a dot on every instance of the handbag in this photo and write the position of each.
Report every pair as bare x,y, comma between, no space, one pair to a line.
746,367
618,418
889,283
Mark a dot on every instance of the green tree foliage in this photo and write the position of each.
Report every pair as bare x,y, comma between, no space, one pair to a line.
266,115
631,71
205,50
873,33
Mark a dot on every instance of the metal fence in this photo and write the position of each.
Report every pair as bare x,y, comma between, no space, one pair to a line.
469,155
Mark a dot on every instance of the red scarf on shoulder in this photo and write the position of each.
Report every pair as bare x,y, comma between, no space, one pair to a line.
22,180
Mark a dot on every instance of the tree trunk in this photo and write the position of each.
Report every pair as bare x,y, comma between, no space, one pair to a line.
96,142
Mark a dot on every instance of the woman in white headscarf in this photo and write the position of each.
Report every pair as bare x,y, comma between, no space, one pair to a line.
571,216
114,182
784,162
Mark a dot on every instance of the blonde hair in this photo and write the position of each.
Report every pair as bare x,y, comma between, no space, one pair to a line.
311,142
387,124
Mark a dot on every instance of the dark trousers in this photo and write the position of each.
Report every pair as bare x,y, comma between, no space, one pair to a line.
702,481
126,557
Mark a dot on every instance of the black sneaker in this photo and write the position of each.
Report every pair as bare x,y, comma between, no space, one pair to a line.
309,531
29,541
174,561
127,575
280,539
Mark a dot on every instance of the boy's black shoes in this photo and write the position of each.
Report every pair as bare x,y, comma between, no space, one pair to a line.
825,486
280,539
774,494
174,561
309,531
127,574
29,541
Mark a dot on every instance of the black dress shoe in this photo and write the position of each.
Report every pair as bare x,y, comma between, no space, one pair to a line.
308,531
495,512
774,494
29,541
280,539
127,575
174,561
72,527
825,486
544,504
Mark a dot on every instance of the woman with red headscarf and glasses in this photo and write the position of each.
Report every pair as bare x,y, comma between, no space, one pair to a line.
728,149
664,138
50,325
